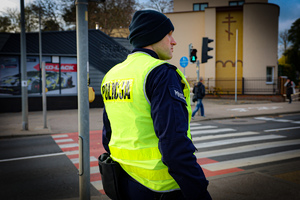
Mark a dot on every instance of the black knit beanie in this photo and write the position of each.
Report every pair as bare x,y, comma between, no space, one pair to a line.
148,27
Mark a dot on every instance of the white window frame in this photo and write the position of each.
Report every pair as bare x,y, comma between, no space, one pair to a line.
268,76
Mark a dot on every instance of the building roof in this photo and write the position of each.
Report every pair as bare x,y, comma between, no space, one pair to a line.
124,42
104,52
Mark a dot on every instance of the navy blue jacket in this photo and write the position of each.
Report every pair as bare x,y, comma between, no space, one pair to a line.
170,119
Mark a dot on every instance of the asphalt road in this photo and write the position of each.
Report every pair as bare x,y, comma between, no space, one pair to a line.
39,167
36,168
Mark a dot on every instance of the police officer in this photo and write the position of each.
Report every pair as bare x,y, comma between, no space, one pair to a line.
147,117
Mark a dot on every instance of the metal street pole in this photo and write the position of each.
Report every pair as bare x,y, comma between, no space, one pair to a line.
42,66
44,94
83,101
23,70
198,71
236,64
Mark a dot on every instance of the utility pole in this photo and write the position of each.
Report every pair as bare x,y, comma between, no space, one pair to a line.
42,67
236,64
83,101
23,71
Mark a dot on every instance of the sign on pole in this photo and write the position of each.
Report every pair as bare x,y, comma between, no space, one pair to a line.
184,61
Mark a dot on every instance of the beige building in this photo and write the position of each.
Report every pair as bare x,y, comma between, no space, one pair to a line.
254,21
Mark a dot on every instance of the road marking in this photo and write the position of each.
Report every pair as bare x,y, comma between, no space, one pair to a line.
76,160
71,152
237,140
220,130
98,185
64,140
194,124
282,129
94,170
59,136
208,137
62,146
282,120
243,162
296,122
246,148
202,127
264,118
30,157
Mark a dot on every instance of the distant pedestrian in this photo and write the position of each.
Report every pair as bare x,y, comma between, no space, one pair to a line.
199,91
290,85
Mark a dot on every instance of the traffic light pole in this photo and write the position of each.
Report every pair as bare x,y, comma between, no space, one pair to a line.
198,71
83,103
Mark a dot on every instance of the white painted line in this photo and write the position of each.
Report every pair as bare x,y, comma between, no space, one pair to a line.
62,146
220,130
252,160
282,120
97,184
194,124
236,140
76,160
296,122
59,136
208,137
282,129
264,118
30,157
202,127
94,170
71,152
246,148
64,140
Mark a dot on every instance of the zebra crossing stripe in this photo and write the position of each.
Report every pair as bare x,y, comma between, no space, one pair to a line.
76,160
202,127
194,124
62,146
281,129
64,140
264,118
236,140
59,136
97,184
246,148
243,162
220,130
208,137
282,120
94,170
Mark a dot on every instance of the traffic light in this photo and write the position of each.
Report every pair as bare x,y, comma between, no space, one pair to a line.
193,55
206,49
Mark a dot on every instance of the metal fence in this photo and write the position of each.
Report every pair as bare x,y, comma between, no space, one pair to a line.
244,86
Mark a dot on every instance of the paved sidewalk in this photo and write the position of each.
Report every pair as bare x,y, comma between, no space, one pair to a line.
66,121
263,184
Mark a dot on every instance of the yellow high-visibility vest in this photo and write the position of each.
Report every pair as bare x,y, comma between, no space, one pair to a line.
133,142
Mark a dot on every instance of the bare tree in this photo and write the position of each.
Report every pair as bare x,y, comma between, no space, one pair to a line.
111,16
283,40
49,14
162,6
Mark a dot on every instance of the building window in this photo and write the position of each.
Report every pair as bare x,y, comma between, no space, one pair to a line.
270,75
199,6
236,3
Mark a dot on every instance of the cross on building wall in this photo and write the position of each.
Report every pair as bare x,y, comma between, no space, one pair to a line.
229,21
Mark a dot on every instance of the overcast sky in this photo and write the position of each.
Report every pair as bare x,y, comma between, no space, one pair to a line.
289,10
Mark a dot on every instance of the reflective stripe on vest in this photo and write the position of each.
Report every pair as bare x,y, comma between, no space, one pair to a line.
134,143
